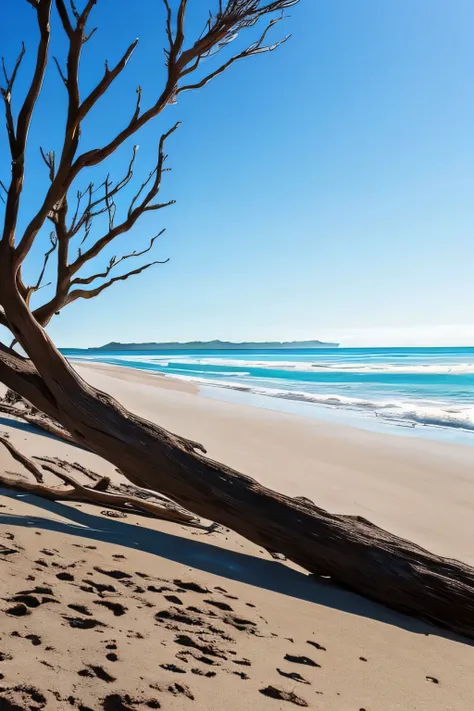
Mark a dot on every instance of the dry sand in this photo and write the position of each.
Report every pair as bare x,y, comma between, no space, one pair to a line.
113,615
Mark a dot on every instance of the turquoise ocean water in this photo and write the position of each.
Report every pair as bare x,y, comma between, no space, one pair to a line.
410,387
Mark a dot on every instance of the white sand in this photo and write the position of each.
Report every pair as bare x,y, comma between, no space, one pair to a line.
420,489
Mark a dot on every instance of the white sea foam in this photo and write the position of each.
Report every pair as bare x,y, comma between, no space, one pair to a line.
396,411
301,366
399,411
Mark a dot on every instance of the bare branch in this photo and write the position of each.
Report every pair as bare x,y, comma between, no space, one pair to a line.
49,159
74,10
64,16
91,494
83,294
114,262
256,48
87,37
86,12
10,80
135,211
96,207
54,243
7,95
26,461
138,105
61,73
18,145
169,31
109,76
2,186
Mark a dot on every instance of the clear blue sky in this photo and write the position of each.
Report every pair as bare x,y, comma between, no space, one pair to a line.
324,190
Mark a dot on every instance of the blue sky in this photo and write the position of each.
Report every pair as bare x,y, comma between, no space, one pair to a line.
323,190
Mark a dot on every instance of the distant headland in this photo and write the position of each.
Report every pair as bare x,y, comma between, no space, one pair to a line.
214,346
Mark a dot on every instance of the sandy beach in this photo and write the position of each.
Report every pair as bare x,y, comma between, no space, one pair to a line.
109,614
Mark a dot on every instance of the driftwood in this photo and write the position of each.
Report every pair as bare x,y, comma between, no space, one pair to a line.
96,494
349,549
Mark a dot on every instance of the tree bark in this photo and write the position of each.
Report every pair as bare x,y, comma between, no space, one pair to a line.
351,550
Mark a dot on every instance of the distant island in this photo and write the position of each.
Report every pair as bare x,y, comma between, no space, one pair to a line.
214,346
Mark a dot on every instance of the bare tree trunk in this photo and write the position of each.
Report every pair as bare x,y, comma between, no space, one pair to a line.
349,549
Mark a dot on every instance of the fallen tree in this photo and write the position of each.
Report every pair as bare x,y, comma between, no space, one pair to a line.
349,549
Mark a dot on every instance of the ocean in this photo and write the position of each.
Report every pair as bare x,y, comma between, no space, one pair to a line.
428,390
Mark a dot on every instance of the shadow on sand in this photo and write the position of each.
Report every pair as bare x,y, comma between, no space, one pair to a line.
32,429
204,556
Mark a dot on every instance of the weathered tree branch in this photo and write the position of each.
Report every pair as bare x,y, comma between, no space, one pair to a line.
78,492
18,134
21,458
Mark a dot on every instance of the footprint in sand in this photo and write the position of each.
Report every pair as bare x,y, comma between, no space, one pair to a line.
28,600
301,660
315,644
178,616
95,670
45,551
34,639
80,608
162,589
174,599
173,668
201,672
114,607
124,702
177,689
294,676
81,623
241,624
19,610
220,605
209,650
275,692
22,696
117,574
192,587
38,590
42,562
99,587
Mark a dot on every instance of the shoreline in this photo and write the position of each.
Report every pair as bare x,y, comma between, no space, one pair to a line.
420,489
358,418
